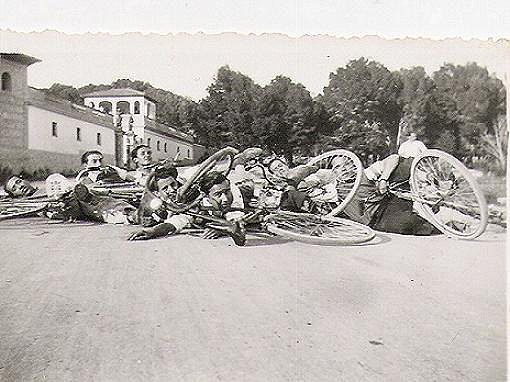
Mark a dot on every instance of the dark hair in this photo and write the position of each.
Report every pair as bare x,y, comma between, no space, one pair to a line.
134,152
211,179
161,172
85,155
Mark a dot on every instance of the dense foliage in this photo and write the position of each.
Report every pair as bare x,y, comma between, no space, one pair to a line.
365,108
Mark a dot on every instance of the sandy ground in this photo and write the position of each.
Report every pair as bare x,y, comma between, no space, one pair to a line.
79,303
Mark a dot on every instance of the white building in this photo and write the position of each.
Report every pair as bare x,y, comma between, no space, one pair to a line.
135,112
40,132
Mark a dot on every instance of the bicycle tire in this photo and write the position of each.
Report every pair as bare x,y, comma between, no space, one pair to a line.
316,229
348,181
227,153
18,210
448,171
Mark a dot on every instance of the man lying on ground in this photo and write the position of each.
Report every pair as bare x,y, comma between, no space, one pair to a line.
303,188
94,170
372,205
217,203
72,203
16,187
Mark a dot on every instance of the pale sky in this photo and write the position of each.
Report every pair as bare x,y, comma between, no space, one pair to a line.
185,63
387,18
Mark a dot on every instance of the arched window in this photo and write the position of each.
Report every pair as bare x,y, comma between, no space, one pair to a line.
137,107
92,105
165,147
105,106
149,142
157,145
189,154
123,107
6,82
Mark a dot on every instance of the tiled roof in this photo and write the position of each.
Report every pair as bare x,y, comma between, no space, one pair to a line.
160,128
126,92
20,58
40,99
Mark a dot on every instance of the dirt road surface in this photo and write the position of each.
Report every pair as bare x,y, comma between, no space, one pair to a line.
80,303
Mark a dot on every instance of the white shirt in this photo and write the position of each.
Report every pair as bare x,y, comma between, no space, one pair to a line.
411,149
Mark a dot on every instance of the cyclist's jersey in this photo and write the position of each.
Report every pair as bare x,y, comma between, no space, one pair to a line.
402,172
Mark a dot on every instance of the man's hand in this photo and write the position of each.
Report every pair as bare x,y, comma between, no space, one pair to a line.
140,235
382,186
306,185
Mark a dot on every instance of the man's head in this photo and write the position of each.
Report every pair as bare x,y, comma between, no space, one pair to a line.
279,168
142,155
217,188
92,159
17,187
412,137
165,182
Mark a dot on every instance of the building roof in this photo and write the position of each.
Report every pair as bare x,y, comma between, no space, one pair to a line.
40,99
162,129
19,58
125,92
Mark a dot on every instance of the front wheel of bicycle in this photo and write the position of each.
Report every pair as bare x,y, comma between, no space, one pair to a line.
346,171
20,209
448,196
221,161
315,229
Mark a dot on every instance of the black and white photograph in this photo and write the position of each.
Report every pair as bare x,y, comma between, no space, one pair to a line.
253,191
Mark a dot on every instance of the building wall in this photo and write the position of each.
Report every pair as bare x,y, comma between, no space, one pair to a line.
12,110
40,134
31,160
171,146
18,73
138,119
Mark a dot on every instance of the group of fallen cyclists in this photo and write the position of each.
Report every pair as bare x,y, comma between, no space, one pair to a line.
255,178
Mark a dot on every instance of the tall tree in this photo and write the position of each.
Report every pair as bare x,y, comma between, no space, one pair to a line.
287,118
414,99
226,115
479,99
65,92
364,91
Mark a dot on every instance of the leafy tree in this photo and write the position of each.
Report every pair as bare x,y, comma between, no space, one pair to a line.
65,92
496,142
479,99
226,115
367,140
414,99
364,91
287,118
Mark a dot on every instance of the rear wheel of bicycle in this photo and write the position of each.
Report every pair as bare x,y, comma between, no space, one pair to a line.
220,161
346,170
19,209
448,195
315,229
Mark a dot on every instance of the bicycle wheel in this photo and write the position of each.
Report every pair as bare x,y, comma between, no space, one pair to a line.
448,195
315,229
346,171
19,209
220,161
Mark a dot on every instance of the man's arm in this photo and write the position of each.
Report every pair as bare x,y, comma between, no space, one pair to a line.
388,166
158,230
